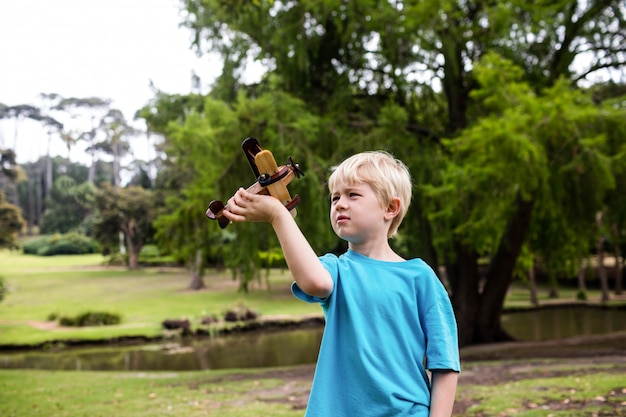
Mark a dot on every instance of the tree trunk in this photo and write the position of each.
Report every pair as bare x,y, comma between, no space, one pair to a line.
619,264
463,277
128,232
133,253
619,278
48,168
500,275
39,203
31,203
133,257
197,282
532,284
582,287
602,271
116,164
91,176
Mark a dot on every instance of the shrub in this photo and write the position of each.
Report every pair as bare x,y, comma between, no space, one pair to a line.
68,244
151,256
91,318
33,246
273,258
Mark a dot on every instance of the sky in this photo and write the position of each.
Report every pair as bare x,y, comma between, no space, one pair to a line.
84,48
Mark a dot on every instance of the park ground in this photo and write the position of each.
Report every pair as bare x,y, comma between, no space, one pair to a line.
533,378
582,376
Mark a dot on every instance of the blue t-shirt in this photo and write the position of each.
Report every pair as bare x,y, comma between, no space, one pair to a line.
386,322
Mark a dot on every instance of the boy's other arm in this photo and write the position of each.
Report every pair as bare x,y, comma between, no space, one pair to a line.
443,392
306,268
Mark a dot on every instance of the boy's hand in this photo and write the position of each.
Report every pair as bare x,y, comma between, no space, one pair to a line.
248,207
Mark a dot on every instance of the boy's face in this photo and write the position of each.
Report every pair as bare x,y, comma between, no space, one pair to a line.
357,215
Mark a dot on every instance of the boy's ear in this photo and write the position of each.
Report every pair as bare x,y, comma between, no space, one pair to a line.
393,209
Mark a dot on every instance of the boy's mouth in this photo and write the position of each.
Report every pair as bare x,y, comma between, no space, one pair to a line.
342,218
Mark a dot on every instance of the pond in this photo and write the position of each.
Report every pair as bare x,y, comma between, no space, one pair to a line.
288,347
559,322
245,350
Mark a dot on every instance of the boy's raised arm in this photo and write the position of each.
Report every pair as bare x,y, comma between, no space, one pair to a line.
302,261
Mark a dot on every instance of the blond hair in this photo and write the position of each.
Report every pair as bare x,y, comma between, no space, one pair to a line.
389,178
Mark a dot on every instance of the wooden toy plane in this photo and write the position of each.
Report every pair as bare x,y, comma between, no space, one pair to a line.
271,179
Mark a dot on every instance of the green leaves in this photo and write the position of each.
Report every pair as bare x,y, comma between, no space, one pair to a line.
549,147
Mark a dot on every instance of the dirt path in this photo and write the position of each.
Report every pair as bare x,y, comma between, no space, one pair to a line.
483,365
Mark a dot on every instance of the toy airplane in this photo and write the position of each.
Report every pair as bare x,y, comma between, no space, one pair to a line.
271,179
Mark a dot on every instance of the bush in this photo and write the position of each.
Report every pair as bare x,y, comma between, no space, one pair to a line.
273,258
90,318
33,246
151,256
68,244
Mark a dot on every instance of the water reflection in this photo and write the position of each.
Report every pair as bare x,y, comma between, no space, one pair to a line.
562,322
249,350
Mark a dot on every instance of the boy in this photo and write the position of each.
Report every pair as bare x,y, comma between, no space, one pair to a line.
387,319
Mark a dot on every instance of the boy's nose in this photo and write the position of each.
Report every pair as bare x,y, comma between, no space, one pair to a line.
340,203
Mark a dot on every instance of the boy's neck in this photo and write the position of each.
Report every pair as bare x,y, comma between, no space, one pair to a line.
377,251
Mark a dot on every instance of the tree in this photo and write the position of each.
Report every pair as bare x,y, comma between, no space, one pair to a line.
359,65
11,221
11,224
129,211
31,198
117,130
217,167
537,166
69,206
92,107
51,124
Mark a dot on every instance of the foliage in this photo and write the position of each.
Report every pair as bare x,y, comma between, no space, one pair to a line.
535,171
283,126
68,206
3,288
91,318
78,197
151,255
8,166
61,244
533,147
272,258
11,223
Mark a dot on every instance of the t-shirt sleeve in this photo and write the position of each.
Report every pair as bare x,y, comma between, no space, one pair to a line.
442,348
442,342
329,261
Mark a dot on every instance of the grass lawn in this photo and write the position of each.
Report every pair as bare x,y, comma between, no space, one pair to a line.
69,285
126,394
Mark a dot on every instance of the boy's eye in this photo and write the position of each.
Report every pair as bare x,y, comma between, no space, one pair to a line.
334,198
